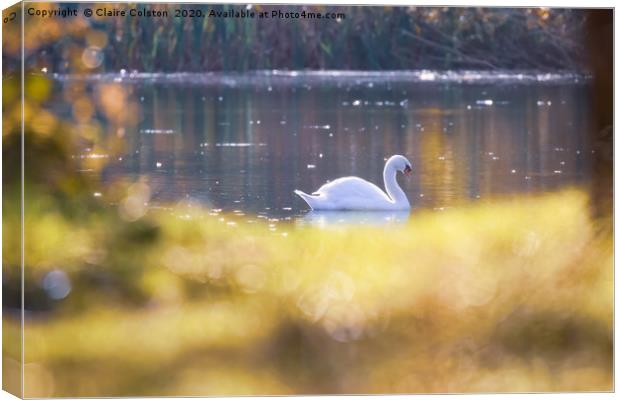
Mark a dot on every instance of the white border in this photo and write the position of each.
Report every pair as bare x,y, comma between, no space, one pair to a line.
485,3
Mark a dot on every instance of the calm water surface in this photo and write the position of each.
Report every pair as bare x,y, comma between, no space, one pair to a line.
243,143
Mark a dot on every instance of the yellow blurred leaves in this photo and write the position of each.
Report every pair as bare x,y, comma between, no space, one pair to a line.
477,298
83,109
43,123
37,87
117,104
10,90
97,38
134,205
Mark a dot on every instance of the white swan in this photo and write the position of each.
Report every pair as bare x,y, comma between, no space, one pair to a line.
353,193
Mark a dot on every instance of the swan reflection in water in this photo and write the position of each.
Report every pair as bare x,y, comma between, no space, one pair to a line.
326,219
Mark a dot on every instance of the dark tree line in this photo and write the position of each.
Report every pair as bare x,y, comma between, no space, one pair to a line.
367,38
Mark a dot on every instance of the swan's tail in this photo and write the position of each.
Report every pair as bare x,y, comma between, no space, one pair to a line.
308,198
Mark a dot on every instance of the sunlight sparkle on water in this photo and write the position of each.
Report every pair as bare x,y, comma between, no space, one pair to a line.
92,156
157,131
236,162
427,76
243,144
487,102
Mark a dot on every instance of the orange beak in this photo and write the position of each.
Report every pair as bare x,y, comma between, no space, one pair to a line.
407,170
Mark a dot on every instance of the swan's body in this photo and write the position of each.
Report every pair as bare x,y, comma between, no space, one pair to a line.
353,193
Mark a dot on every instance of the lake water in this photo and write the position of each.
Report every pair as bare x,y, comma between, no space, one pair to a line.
243,143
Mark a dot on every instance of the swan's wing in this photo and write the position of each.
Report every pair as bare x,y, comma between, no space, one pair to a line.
352,189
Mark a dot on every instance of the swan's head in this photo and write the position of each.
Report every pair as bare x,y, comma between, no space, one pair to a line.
400,163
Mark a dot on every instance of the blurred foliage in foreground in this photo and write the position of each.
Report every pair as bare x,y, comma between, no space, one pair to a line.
509,297
123,299
366,38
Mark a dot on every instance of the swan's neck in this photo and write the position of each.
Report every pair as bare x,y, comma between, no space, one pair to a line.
394,191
